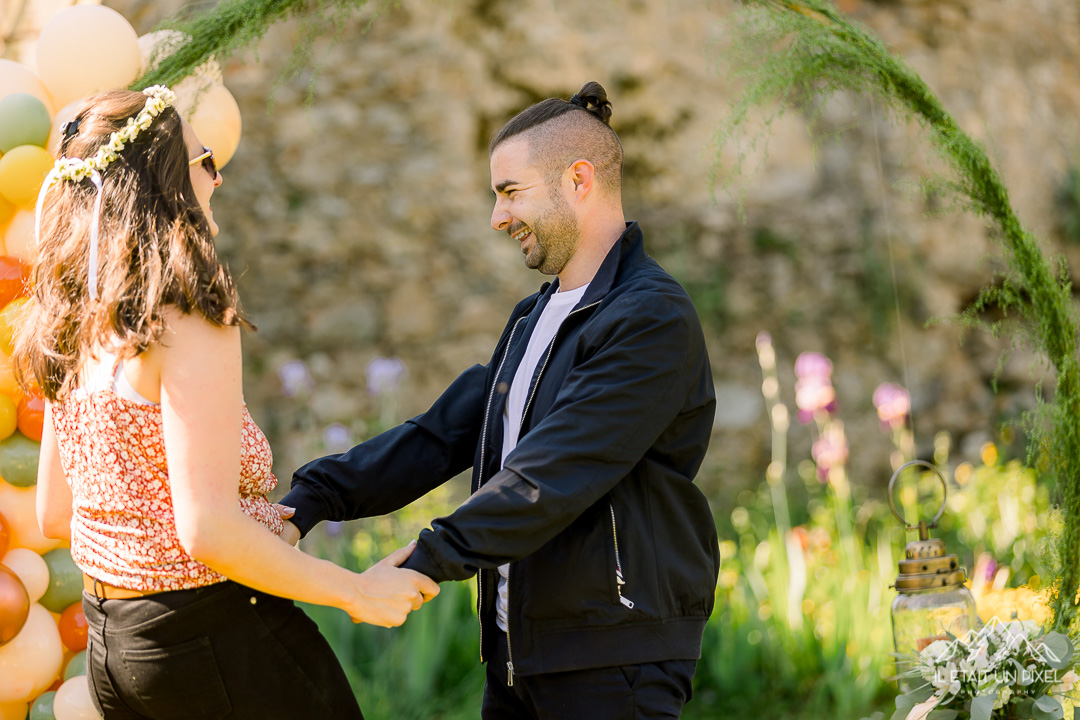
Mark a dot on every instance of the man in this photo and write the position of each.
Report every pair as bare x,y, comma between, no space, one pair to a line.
597,556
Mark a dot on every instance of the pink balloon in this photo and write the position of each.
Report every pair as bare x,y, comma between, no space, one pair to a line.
84,49
30,662
17,78
19,236
72,701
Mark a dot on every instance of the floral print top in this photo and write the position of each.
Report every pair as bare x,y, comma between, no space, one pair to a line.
122,529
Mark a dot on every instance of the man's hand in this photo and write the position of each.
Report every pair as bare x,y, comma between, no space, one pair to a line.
386,593
289,533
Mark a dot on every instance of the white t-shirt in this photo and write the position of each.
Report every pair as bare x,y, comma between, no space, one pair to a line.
557,309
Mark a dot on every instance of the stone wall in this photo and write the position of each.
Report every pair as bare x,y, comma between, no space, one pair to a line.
357,224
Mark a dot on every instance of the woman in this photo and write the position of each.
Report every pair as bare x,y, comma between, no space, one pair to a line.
150,462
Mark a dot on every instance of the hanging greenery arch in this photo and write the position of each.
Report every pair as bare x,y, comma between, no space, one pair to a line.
813,51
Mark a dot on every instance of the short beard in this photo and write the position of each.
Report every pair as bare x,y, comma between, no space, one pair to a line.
555,236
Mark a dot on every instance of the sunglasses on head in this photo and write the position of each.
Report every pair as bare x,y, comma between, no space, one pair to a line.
207,160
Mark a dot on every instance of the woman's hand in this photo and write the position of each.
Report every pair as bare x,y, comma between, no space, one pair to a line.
289,532
386,593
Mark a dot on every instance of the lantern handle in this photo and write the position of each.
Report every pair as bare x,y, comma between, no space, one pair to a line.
944,492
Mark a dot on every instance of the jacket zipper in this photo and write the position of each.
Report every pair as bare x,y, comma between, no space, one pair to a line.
619,580
483,447
532,394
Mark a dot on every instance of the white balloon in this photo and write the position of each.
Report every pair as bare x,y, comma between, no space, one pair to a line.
21,515
65,114
31,660
31,569
84,49
72,701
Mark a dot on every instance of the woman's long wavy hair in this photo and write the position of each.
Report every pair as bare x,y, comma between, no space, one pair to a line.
155,250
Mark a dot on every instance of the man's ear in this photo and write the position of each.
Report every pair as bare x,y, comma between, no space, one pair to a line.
582,177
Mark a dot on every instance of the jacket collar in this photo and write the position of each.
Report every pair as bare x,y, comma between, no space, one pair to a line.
628,250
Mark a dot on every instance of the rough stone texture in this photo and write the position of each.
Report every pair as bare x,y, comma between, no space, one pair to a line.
358,225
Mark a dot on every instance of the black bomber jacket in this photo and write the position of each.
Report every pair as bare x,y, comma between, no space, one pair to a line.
612,547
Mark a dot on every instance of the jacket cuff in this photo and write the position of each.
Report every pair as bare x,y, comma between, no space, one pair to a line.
309,504
424,564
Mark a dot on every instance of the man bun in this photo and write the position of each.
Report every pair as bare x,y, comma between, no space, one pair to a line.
592,97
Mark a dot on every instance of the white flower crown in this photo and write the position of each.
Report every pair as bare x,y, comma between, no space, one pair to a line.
159,97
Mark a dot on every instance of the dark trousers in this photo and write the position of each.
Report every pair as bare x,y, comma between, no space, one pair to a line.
222,651
652,691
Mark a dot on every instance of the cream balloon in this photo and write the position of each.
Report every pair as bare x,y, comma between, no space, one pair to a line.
31,661
216,120
87,48
19,236
17,78
21,514
31,569
72,701
65,114
13,711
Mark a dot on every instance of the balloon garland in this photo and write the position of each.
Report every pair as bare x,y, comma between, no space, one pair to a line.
43,632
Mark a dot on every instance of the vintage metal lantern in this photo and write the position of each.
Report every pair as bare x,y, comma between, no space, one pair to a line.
931,602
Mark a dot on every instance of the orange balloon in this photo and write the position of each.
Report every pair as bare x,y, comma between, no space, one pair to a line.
14,279
13,711
73,627
31,416
217,122
14,605
11,317
5,536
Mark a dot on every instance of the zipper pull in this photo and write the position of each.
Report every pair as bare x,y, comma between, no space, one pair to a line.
626,601
509,674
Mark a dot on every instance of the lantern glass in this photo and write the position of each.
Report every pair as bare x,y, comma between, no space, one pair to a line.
920,617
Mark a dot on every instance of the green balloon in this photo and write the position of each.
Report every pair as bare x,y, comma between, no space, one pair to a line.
19,460
42,709
76,666
65,581
24,120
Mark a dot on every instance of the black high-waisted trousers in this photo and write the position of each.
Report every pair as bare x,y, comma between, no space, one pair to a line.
221,651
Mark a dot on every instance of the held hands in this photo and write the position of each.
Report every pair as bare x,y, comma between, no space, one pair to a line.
385,593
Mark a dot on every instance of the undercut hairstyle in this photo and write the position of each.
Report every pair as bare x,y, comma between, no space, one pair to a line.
155,250
559,132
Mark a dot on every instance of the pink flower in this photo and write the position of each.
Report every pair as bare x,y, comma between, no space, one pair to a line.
813,365
814,392
830,450
893,404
